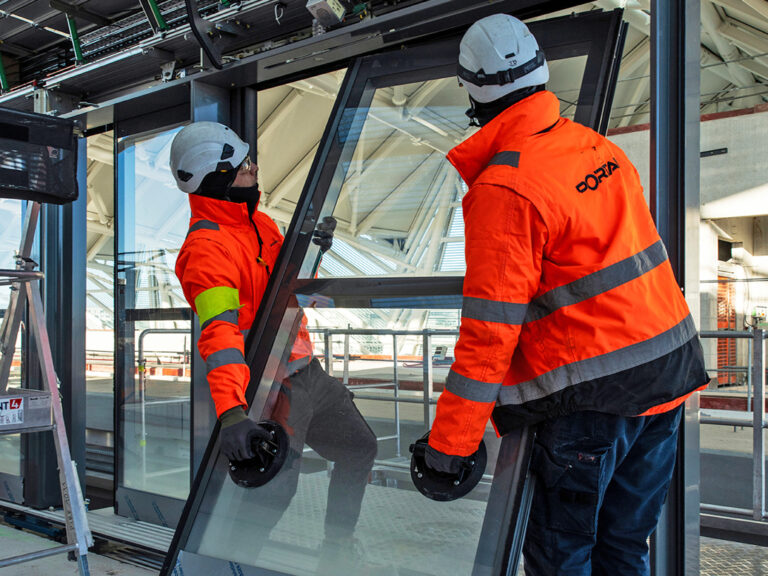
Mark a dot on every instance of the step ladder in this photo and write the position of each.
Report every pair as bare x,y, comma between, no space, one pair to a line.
24,410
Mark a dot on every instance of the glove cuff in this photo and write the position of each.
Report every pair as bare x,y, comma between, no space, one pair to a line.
233,416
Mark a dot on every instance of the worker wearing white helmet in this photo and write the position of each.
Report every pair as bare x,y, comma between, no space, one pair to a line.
572,320
500,63
224,266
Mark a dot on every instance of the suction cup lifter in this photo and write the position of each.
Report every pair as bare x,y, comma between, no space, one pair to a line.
270,455
445,487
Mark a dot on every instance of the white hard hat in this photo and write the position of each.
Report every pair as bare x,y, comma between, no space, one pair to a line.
202,148
499,55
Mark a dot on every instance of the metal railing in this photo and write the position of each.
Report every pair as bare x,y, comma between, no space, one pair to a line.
755,393
427,400
143,399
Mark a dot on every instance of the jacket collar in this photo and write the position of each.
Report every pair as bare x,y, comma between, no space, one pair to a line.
219,211
525,118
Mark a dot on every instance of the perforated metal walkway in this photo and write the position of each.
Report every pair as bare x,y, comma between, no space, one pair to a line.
724,558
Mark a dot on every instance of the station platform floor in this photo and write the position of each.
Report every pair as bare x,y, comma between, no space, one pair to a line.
718,558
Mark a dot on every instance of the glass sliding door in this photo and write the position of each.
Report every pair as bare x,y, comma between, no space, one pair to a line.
383,308
153,334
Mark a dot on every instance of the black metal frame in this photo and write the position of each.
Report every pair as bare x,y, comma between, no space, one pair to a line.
674,200
598,35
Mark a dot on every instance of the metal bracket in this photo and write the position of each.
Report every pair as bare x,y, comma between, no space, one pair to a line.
167,70
54,102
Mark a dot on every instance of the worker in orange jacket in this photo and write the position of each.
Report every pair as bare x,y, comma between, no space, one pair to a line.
572,318
223,266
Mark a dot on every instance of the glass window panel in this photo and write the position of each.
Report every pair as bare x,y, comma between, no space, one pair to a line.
395,195
100,310
301,107
10,236
397,202
155,411
156,219
273,528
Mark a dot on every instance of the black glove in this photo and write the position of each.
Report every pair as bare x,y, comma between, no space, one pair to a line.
446,463
323,234
237,433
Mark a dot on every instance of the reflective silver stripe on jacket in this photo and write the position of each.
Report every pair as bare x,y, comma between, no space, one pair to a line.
202,225
599,366
597,283
472,389
223,358
296,365
505,158
229,316
493,310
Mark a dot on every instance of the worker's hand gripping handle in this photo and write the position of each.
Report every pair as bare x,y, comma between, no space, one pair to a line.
269,455
444,486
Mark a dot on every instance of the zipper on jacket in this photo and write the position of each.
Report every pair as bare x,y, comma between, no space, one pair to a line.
259,259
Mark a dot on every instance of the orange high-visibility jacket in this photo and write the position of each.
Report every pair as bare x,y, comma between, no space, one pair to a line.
223,266
567,283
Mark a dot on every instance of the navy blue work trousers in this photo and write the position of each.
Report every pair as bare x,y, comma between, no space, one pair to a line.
601,481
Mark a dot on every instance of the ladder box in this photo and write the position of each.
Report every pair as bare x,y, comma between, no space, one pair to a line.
23,410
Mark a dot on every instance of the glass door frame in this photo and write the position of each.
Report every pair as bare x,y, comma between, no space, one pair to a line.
154,112
599,37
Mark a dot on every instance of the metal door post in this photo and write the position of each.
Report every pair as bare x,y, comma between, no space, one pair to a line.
674,194
428,382
396,383
758,414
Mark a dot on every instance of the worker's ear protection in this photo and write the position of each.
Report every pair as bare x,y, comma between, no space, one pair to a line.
443,487
269,457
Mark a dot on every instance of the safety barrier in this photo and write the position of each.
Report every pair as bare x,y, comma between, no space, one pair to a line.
756,400
142,369
427,400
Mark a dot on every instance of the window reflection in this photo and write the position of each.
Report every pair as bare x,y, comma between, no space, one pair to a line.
157,215
396,199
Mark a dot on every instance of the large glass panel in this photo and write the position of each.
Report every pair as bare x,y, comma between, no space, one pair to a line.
10,236
156,217
382,307
733,259
300,107
396,199
156,411
100,317
397,203
153,333
281,526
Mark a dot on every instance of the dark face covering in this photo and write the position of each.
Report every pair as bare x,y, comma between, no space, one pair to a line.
218,185
483,112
